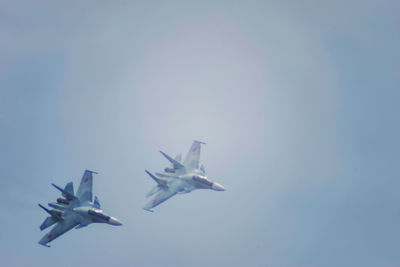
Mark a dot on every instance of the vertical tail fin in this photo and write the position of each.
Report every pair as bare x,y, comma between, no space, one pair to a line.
193,156
69,188
203,169
85,188
96,202
178,157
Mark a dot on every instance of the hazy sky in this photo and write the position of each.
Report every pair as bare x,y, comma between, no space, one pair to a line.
298,102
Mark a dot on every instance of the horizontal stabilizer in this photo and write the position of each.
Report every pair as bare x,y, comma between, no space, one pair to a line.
174,162
56,214
66,194
152,176
45,209
160,182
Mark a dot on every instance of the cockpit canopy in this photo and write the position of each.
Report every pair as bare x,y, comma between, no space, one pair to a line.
202,179
99,214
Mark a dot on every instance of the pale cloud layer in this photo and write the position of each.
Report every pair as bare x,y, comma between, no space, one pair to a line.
297,101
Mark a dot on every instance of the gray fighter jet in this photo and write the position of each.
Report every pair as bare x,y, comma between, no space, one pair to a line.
180,178
74,210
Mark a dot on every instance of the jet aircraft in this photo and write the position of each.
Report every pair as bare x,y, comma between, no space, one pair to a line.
74,210
180,177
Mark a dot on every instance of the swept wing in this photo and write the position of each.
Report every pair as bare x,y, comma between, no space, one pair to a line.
60,228
162,196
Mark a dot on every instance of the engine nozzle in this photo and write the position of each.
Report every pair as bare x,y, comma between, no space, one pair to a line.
61,200
169,170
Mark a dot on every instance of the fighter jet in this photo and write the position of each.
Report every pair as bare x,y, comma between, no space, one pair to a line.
180,177
74,210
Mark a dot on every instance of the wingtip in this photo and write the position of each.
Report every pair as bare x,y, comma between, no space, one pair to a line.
148,210
43,244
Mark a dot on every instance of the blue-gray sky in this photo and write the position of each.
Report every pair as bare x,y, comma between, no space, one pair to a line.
298,101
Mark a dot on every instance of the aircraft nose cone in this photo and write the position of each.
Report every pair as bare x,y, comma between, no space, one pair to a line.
217,187
114,221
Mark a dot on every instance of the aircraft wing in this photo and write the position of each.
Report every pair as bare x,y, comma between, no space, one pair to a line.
193,156
60,228
162,196
84,193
